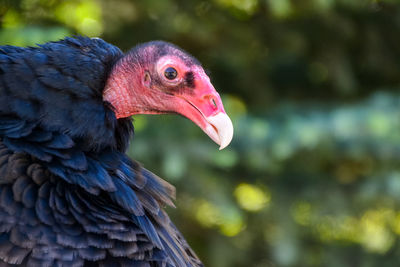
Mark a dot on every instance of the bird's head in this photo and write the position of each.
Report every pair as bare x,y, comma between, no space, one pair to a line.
158,78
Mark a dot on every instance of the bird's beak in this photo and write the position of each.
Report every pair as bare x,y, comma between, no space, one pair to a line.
220,129
204,107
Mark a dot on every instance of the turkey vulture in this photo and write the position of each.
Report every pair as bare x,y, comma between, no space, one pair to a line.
69,195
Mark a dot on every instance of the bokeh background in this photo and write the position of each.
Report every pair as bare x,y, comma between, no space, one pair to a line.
312,177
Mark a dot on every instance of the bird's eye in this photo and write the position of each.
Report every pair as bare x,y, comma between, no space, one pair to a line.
170,73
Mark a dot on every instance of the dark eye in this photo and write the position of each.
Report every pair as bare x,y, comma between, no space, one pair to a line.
170,73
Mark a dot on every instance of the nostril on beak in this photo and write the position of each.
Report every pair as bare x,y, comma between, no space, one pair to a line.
213,102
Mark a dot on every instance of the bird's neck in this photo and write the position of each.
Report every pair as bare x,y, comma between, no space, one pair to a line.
121,89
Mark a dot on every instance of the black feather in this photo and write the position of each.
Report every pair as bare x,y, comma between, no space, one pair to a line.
69,196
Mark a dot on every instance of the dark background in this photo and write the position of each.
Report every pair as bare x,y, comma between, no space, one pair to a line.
312,177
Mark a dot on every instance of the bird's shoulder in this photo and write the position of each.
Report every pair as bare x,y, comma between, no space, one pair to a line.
77,65
59,85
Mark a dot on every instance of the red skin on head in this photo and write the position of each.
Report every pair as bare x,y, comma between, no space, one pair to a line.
142,88
130,92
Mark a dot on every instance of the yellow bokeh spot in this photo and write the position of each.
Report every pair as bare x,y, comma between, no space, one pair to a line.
348,229
325,228
90,27
396,223
376,237
85,16
373,230
338,228
231,229
207,214
232,224
251,198
228,220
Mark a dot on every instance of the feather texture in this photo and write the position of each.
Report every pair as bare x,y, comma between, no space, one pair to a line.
69,196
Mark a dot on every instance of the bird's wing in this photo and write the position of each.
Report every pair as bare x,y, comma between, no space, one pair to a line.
46,221
69,195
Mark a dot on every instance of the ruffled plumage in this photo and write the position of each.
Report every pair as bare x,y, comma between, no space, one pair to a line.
69,196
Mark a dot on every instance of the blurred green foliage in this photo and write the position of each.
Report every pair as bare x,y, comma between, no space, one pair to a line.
312,177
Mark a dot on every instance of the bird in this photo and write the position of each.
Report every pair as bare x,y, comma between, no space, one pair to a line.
69,193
